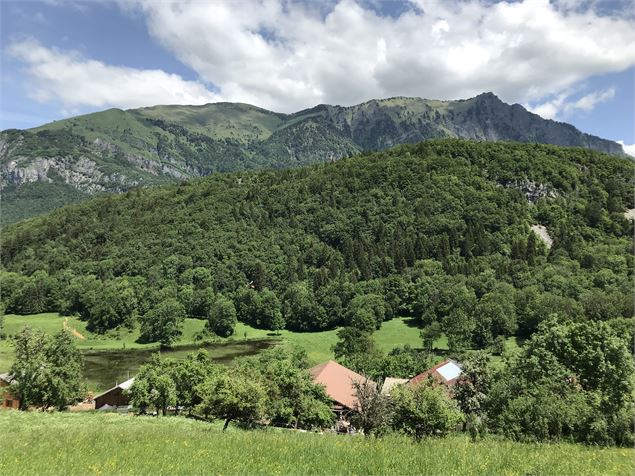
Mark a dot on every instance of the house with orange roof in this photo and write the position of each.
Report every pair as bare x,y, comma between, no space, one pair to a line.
339,383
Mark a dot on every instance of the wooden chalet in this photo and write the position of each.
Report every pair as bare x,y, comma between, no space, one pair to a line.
8,400
339,383
114,397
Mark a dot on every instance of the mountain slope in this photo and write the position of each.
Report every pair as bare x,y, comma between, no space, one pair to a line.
318,235
115,150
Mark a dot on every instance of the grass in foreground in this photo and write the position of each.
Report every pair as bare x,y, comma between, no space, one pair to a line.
83,444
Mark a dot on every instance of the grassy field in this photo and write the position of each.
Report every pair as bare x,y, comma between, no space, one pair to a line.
52,322
101,444
393,333
318,345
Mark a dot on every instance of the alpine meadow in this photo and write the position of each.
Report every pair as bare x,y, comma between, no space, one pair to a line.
291,237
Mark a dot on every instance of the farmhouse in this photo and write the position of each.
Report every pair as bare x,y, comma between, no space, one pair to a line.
7,398
339,383
114,397
447,373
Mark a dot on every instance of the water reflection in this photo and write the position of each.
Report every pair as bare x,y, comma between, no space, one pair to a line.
105,369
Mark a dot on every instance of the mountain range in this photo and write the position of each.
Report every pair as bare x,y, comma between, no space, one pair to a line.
115,150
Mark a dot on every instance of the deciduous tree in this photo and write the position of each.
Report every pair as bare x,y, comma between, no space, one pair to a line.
233,397
222,320
163,323
154,386
47,371
373,412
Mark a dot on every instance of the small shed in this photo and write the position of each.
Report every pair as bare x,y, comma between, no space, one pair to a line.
339,383
390,383
7,398
115,397
447,373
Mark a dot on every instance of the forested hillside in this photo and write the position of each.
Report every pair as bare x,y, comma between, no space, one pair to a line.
115,150
438,230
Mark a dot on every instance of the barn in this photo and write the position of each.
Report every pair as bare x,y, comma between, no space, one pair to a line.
114,397
339,383
447,373
8,399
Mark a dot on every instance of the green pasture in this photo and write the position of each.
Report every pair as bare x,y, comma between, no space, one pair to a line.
396,332
103,444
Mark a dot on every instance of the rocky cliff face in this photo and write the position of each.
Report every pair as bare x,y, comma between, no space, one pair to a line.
79,172
90,170
380,124
114,150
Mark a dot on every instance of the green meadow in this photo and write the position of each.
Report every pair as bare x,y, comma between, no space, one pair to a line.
393,333
95,444
53,322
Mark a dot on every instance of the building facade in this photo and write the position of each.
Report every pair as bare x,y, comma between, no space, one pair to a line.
7,399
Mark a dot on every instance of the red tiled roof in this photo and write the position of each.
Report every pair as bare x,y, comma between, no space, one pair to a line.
338,382
434,373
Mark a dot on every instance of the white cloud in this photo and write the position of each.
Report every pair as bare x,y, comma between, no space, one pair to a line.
551,108
628,148
287,56
75,81
561,107
588,102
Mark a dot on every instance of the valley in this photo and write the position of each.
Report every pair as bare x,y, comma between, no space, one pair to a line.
487,258
345,237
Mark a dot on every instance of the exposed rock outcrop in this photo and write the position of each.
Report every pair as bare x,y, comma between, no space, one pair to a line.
81,173
533,191
543,234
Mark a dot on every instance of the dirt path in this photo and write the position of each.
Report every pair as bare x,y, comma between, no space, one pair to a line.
73,330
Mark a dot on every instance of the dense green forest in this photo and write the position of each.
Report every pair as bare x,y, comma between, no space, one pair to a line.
438,230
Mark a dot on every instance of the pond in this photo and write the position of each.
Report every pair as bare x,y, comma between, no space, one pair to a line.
107,368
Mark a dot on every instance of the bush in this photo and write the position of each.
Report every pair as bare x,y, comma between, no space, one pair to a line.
425,409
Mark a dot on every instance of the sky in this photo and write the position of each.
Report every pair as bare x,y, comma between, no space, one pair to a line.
567,60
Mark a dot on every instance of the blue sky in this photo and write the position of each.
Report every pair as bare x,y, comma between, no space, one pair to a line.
570,61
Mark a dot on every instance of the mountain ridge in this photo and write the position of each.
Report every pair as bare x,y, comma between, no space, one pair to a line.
115,150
